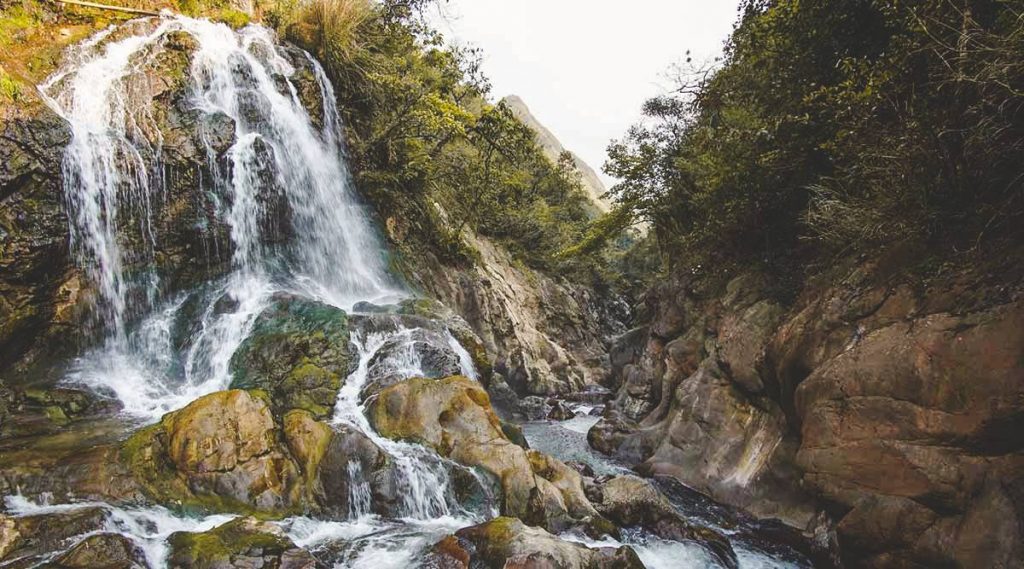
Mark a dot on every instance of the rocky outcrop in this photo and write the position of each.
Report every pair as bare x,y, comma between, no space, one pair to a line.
547,336
454,417
681,411
238,544
103,551
892,403
298,351
507,542
226,452
33,538
221,452
38,286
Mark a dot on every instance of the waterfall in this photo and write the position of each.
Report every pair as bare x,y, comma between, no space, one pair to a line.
114,174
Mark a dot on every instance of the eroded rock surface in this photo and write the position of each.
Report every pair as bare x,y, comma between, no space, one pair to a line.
893,406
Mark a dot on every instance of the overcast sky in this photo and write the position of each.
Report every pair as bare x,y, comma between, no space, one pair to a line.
584,67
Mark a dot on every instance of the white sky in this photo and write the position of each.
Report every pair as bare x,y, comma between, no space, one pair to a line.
585,67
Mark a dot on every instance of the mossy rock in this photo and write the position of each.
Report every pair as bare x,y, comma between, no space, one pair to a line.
299,352
243,542
221,453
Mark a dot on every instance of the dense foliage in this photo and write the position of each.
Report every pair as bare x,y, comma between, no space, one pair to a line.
834,128
429,150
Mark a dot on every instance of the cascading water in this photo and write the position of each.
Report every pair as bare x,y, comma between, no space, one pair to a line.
113,173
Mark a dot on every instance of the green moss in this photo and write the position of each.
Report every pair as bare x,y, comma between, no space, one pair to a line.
234,18
145,455
16,19
299,352
10,88
239,537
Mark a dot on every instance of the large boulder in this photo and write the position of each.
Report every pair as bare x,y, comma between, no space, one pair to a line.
299,352
508,543
629,501
242,543
227,452
221,452
454,417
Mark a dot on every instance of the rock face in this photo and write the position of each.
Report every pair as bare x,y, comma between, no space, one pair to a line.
508,543
894,407
238,544
37,283
547,336
299,352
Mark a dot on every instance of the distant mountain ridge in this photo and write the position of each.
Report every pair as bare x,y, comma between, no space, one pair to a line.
553,148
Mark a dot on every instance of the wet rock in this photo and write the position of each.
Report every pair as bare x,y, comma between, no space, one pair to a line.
239,544
102,551
35,309
632,501
453,416
38,535
533,407
299,352
560,412
425,351
349,453
221,452
58,406
508,543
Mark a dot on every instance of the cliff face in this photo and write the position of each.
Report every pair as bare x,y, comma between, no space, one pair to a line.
892,402
545,336
553,149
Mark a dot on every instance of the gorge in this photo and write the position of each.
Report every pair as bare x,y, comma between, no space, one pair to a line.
236,331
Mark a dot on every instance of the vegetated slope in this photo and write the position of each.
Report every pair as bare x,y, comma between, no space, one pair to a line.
553,149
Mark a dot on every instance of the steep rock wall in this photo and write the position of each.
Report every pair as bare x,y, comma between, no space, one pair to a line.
893,403
545,335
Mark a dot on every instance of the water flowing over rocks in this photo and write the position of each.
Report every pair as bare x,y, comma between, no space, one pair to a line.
892,407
